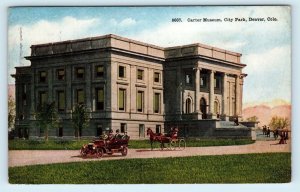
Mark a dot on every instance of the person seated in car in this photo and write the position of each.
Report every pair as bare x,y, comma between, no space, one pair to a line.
117,135
110,136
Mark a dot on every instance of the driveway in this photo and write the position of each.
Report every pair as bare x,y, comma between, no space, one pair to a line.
34,157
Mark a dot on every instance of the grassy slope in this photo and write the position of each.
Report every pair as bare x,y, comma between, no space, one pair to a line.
135,144
247,168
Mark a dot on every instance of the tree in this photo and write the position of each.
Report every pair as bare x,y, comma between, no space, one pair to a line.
11,113
47,117
279,122
252,119
80,119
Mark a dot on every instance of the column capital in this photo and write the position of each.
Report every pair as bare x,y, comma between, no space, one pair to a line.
213,71
239,76
197,68
225,74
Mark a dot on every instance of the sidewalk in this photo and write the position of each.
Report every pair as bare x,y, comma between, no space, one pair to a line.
33,157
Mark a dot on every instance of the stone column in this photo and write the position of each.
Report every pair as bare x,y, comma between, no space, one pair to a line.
88,87
211,93
197,89
32,95
179,91
50,86
68,75
224,96
241,95
237,95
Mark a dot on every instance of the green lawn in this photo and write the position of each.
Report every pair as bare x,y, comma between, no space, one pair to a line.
134,144
247,168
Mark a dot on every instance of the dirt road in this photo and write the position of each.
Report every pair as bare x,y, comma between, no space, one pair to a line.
33,157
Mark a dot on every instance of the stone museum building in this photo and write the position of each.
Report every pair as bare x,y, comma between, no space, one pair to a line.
130,86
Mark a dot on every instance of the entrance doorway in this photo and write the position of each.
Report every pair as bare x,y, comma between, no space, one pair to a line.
203,107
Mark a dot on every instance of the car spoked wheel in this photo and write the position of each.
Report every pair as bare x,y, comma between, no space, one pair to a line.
83,152
99,152
124,151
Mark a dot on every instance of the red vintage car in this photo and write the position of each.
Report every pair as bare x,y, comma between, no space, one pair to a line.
106,146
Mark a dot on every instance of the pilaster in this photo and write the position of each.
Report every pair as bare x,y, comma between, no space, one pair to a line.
197,89
224,96
211,94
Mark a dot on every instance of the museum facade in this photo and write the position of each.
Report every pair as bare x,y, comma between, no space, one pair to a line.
130,86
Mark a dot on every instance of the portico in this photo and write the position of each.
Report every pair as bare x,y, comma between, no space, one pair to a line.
207,87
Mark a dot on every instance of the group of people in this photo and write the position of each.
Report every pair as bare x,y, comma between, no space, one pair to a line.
110,135
266,131
173,133
284,135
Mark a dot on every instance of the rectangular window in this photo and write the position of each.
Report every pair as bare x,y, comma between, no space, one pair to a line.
80,73
42,97
156,77
217,82
61,100
122,96
99,71
60,73
60,131
141,130
158,129
140,74
203,82
122,71
123,127
99,98
140,101
99,130
80,96
188,79
42,131
43,76
156,105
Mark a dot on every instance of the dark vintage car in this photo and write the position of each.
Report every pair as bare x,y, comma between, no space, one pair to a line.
98,148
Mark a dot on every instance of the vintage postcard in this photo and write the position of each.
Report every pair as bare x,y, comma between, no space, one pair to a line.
149,95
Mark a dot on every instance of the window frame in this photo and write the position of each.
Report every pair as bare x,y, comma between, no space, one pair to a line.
43,79
99,75
77,73
140,74
97,89
158,127
123,99
60,77
59,104
60,131
159,77
140,108
77,96
158,111
141,130
123,127
190,79
124,71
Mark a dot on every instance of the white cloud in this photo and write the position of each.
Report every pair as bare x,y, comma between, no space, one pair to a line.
47,31
127,22
278,58
269,75
234,36
44,32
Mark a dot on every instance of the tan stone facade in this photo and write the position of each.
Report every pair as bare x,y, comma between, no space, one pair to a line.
128,85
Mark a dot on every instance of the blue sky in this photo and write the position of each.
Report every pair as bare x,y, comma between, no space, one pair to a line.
266,46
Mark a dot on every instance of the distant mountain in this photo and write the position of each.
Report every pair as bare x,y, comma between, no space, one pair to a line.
265,113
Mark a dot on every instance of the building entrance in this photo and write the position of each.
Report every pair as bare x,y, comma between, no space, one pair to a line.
203,107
